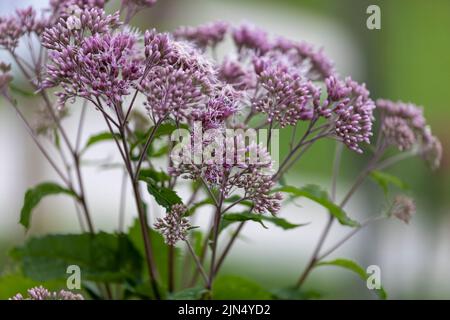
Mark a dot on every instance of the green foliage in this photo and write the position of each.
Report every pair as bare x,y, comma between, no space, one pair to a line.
230,287
157,176
230,218
14,283
384,180
356,268
165,197
99,137
320,196
34,195
101,257
160,251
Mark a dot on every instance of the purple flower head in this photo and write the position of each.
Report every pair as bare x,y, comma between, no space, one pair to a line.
104,66
237,75
218,109
178,79
158,48
207,35
24,21
244,167
63,8
250,37
404,126
349,103
304,56
174,227
41,293
69,32
287,97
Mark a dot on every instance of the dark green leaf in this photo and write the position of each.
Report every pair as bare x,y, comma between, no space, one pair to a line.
160,250
11,284
157,176
384,180
34,196
165,197
353,266
230,287
101,257
99,137
316,194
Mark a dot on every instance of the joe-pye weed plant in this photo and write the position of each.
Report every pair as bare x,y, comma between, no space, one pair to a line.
172,96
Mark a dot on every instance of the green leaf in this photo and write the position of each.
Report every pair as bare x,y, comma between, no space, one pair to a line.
99,137
316,194
11,284
165,197
159,152
384,180
101,257
157,176
353,266
229,287
18,90
246,216
34,196
159,247
195,293
295,294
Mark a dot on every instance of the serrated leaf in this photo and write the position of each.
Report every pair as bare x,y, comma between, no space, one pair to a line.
356,268
318,195
34,195
165,197
101,257
99,137
384,179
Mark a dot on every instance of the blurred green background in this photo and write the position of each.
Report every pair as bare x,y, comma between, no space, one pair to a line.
408,59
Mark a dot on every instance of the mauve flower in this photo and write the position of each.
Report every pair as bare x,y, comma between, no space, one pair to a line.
403,208
247,36
178,79
287,97
234,73
404,126
102,66
173,226
351,110
41,293
13,27
63,8
207,35
244,167
314,63
69,32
